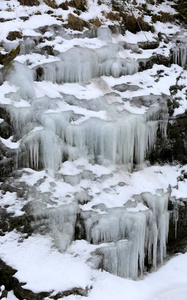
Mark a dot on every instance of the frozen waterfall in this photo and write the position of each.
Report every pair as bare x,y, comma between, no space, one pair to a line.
124,139
54,131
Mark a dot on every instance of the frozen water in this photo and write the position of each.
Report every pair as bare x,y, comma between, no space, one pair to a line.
180,55
82,64
21,76
128,237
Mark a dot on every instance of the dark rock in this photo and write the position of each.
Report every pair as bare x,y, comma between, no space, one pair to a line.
4,114
13,35
5,130
126,87
173,148
4,294
74,291
9,222
158,59
7,165
39,73
148,45
178,221
6,274
48,50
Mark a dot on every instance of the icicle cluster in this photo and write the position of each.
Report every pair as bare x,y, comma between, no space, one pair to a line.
48,139
121,141
180,55
83,64
126,238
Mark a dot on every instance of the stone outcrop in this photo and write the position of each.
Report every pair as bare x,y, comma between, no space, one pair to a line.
173,147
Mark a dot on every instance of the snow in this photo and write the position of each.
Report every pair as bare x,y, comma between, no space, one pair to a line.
36,256
30,257
8,143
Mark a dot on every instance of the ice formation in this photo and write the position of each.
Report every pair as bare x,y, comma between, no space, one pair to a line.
82,64
124,139
54,130
126,237
180,55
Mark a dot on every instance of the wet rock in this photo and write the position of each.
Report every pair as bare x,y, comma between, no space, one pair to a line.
7,166
47,50
126,87
5,130
178,221
80,230
148,45
74,291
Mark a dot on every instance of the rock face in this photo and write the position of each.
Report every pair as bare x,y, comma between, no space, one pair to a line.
172,148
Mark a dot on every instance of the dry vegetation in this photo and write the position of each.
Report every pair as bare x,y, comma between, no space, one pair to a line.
78,4
134,25
75,23
13,35
113,16
96,22
163,17
51,3
29,2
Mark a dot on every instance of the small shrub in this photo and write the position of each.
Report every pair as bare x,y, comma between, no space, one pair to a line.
134,25
64,6
51,3
29,2
76,23
5,59
113,16
163,17
182,9
77,12
96,22
13,35
78,4
144,26
166,17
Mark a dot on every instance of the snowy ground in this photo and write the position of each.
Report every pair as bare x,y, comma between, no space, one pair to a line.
40,265
44,268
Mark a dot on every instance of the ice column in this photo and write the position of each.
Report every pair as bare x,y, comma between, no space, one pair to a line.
82,64
127,238
180,55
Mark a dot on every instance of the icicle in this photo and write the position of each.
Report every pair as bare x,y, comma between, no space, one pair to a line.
83,64
158,224
125,238
180,55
